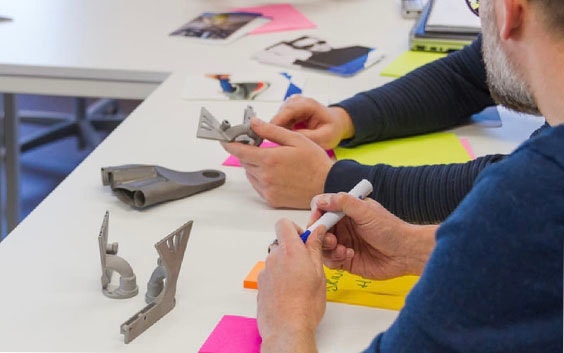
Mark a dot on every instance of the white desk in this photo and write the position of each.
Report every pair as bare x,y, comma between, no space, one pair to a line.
122,50
49,265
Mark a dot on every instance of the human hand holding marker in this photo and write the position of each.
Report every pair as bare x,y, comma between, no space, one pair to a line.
370,241
329,219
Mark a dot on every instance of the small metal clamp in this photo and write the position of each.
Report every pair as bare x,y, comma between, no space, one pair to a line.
111,262
210,128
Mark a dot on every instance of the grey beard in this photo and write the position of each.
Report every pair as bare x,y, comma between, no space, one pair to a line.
506,86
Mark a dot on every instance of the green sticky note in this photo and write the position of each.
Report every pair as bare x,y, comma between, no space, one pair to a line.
436,148
409,61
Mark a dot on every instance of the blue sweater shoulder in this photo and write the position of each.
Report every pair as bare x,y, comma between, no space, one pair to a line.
494,280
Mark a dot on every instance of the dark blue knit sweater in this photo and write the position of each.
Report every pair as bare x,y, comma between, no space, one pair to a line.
437,96
494,280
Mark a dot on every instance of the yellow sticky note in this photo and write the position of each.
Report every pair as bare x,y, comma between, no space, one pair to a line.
343,287
436,148
409,61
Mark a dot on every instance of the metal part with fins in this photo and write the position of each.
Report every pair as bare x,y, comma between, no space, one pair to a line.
171,253
210,128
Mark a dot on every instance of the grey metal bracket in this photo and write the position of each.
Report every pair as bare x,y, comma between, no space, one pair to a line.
162,299
210,128
142,186
111,262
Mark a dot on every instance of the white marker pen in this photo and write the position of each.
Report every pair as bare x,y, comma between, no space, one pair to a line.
329,219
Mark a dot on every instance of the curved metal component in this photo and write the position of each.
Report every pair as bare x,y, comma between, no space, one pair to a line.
210,128
156,283
111,262
142,186
171,253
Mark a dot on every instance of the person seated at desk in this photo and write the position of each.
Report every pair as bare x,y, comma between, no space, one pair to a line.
440,95
491,274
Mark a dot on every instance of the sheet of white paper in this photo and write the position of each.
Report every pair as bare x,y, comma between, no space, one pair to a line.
200,87
452,15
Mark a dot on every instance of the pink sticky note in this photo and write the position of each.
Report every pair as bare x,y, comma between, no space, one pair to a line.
233,334
233,161
285,17
468,148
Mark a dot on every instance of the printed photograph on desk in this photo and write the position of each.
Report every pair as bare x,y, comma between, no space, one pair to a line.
267,86
224,27
315,53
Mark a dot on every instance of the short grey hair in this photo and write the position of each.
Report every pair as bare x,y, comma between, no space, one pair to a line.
552,12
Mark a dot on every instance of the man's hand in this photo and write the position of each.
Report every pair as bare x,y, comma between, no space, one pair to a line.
370,241
285,176
324,126
291,291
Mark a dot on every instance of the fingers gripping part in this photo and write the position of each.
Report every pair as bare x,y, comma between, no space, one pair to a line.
210,128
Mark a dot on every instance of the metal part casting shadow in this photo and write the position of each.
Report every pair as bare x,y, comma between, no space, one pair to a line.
141,186
111,262
161,295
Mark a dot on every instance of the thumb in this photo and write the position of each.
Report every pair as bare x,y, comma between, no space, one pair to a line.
275,133
314,245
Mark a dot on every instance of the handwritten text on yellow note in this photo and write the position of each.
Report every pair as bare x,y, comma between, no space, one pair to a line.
343,287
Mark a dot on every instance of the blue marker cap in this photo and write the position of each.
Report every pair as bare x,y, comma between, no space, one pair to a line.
329,219
305,235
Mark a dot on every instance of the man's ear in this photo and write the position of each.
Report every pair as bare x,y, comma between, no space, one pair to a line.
510,15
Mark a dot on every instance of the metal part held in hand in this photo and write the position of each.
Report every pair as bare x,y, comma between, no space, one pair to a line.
171,253
141,186
210,128
110,263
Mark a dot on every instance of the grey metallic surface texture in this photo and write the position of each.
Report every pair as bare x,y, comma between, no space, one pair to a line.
112,263
141,186
171,253
210,128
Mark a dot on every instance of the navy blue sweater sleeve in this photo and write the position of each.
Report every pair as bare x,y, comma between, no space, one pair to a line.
425,194
434,97
494,280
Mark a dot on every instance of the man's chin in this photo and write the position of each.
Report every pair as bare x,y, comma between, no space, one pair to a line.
515,104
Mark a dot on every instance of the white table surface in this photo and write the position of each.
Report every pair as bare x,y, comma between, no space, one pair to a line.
50,298
102,48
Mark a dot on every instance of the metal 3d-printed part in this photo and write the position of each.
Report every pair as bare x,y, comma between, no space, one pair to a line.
111,262
210,128
141,186
162,296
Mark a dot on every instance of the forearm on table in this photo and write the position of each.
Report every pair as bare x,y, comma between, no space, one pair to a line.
437,96
422,195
